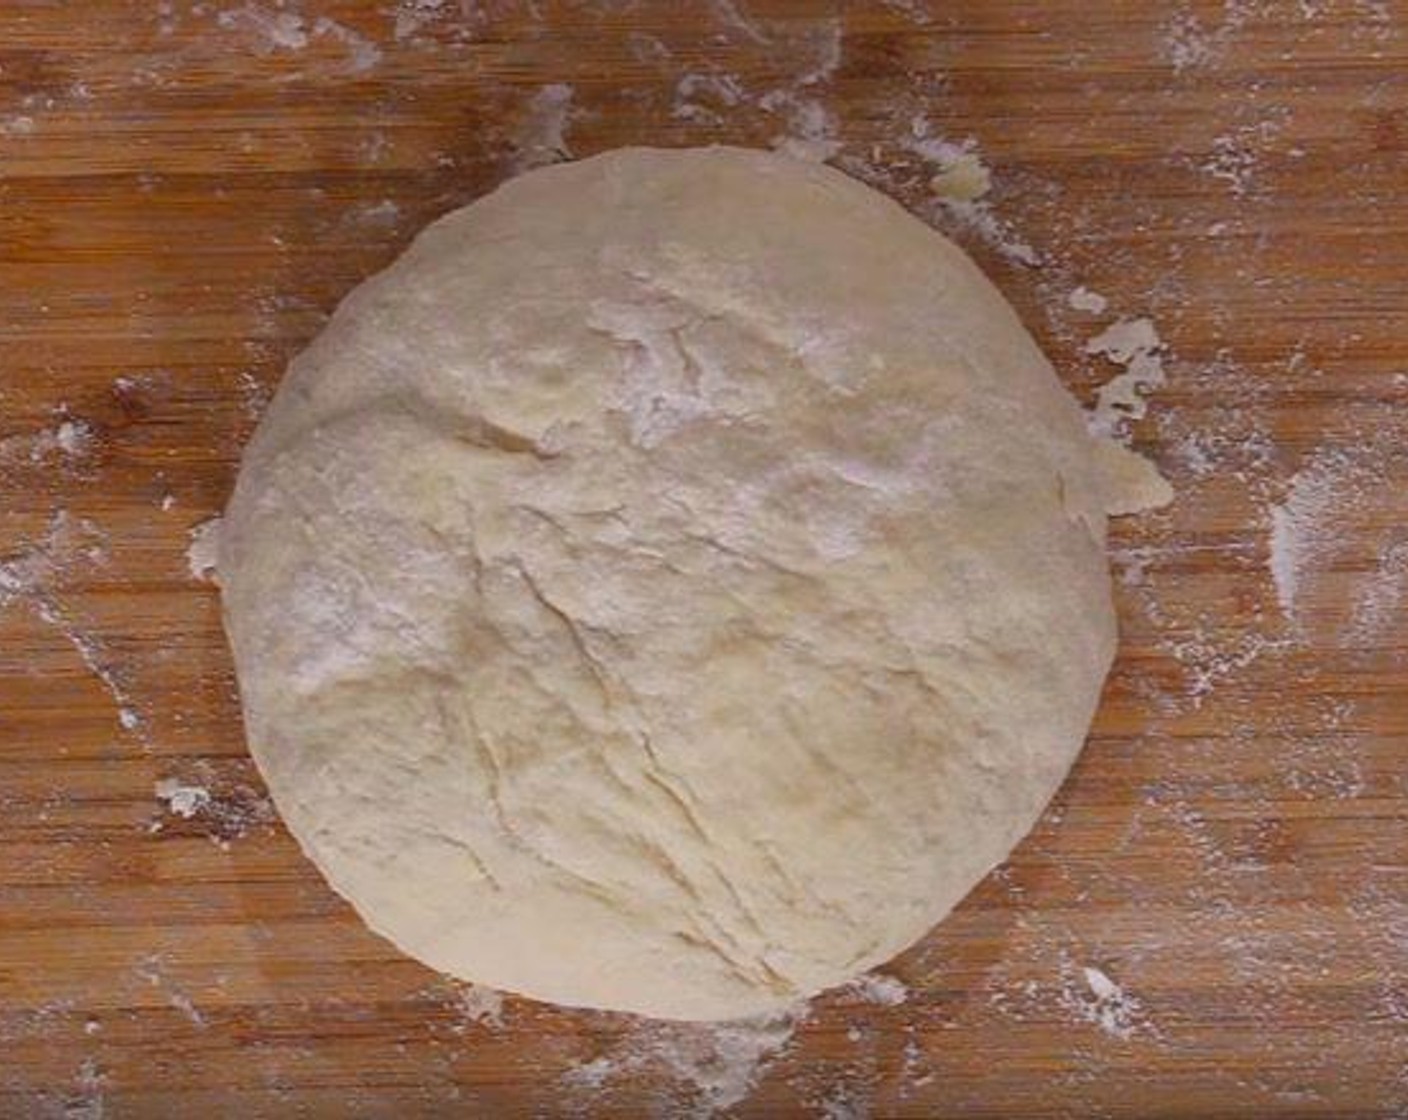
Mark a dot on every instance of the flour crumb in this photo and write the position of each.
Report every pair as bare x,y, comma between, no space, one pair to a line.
182,800
886,991
1134,344
203,554
1083,299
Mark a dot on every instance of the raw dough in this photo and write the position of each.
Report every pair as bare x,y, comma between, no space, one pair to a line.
671,586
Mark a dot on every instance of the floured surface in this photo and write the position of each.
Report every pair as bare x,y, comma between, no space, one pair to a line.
183,203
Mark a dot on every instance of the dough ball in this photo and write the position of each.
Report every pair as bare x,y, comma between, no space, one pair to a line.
669,587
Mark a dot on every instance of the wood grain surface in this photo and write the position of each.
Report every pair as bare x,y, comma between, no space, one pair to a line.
1212,920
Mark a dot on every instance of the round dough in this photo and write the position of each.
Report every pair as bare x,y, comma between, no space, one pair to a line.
669,587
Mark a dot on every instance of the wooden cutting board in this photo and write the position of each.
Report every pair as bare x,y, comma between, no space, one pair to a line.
1212,920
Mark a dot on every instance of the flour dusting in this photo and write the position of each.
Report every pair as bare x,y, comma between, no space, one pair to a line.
1308,523
716,1064
87,1102
732,16
1097,999
152,968
411,16
362,53
37,575
269,29
1382,600
64,446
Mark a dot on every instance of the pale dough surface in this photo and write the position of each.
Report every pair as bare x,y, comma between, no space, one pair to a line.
670,587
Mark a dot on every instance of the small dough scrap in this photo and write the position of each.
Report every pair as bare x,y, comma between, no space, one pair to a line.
1130,482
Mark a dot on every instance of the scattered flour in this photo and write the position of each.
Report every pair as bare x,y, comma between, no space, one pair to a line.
481,1005
960,182
254,395
915,10
1308,523
1235,156
73,437
811,126
1104,1003
1382,599
540,137
203,555
825,41
270,29
730,14
839,1104
718,1065
227,810
36,575
813,129
69,442
411,16
87,1102
362,53
383,215
1187,44
1190,44
278,26
152,969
